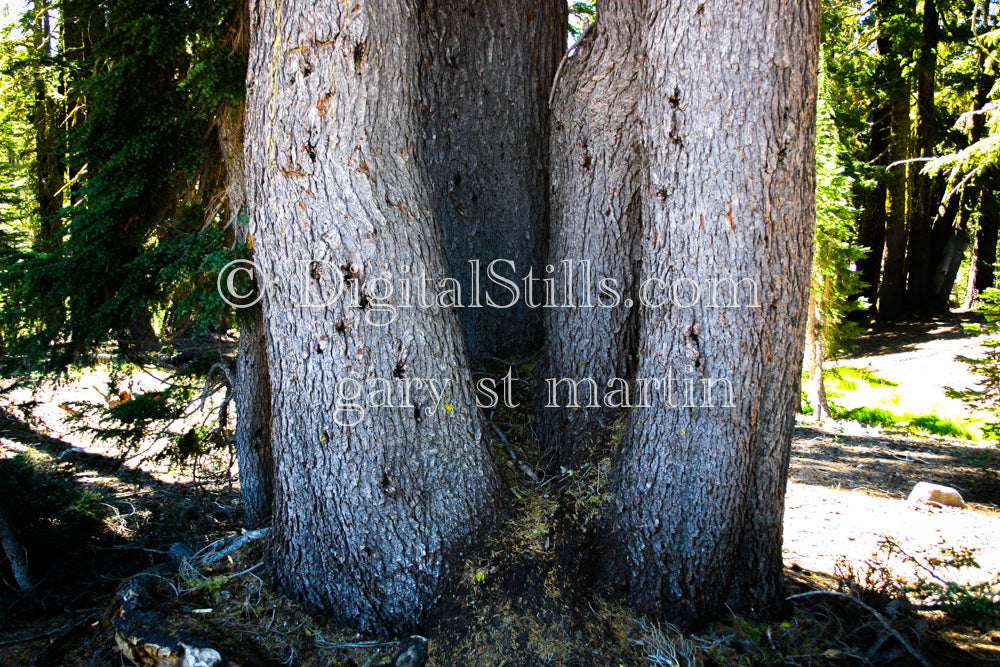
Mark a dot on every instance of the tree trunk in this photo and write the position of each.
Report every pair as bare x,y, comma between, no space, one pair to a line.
46,117
892,290
982,269
383,473
486,84
871,221
986,235
595,205
949,240
727,105
15,554
815,388
919,289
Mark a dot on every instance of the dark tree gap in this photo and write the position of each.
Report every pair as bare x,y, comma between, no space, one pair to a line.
485,78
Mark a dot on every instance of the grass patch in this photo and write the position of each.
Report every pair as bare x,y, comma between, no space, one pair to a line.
926,423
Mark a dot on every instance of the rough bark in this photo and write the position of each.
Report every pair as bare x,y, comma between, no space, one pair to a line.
919,290
728,131
486,79
369,514
893,287
595,216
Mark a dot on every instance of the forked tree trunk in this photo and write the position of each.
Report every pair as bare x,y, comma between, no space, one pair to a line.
372,504
595,225
727,109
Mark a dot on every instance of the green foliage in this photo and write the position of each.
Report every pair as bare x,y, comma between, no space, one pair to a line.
870,416
581,15
940,426
136,243
834,282
844,376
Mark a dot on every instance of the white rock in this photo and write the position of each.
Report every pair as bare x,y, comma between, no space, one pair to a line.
927,493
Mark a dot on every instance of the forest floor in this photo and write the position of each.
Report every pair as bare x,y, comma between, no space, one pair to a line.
93,519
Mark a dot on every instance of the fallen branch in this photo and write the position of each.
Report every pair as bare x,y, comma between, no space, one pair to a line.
219,549
881,619
40,635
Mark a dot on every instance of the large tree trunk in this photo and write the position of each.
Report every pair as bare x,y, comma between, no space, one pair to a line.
893,287
486,82
727,106
919,290
595,204
372,505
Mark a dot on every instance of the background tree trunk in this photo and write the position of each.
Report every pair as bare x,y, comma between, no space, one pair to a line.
871,219
919,289
815,389
893,287
14,552
728,117
595,204
369,516
46,117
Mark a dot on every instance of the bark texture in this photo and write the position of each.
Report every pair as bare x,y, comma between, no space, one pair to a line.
727,111
596,220
485,81
369,515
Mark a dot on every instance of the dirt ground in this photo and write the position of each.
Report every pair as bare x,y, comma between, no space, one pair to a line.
846,497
